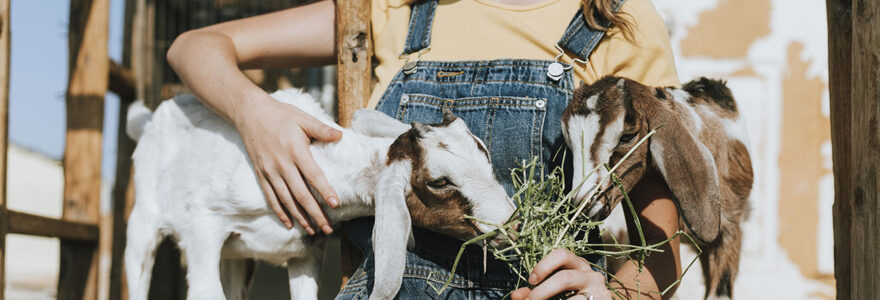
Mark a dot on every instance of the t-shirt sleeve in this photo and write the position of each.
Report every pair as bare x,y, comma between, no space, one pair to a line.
646,58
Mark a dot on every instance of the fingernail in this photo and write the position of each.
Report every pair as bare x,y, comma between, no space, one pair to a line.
327,229
288,225
310,230
333,132
333,202
532,278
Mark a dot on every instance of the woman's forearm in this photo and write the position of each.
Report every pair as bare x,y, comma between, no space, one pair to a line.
206,62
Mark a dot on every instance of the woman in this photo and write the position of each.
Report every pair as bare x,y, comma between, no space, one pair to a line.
489,61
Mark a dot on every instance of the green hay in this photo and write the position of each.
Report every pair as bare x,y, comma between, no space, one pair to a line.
549,219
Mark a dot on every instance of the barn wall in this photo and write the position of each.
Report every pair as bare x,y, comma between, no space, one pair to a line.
773,54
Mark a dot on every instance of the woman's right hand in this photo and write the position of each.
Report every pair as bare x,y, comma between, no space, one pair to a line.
277,138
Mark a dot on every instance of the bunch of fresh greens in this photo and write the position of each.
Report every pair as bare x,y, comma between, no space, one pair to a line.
548,218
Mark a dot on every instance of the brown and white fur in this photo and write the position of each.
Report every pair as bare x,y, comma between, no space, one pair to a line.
701,152
194,182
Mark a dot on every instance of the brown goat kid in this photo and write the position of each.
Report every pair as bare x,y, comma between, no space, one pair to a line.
701,152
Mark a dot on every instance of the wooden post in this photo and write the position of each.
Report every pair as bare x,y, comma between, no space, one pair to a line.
4,135
354,43
124,149
839,71
865,138
87,83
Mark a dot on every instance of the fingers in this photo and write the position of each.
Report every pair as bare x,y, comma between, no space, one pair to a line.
283,194
555,260
320,131
269,193
305,199
316,179
569,280
520,293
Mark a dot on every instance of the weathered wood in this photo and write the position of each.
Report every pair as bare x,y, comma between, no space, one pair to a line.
355,51
865,143
354,44
89,67
839,14
124,148
122,81
4,131
28,224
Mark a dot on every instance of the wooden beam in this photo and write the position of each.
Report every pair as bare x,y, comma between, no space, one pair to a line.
865,152
4,132
22,223
839,14
131,59
87,84
121,81
354,43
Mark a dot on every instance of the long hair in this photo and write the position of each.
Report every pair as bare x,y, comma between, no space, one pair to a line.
600,15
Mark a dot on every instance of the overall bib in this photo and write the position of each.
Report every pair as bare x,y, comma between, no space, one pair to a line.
513,106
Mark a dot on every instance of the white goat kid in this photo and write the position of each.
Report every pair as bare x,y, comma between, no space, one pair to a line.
700,152
194,182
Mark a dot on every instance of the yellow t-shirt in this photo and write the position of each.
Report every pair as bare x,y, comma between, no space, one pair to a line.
486,30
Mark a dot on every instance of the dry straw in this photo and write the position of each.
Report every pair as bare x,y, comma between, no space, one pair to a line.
549,218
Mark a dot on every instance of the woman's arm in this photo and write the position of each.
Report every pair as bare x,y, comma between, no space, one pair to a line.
658,216
209,61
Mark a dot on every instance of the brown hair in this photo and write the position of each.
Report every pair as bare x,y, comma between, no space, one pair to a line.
601,15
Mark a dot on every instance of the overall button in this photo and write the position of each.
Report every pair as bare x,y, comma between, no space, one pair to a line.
540,103
404,99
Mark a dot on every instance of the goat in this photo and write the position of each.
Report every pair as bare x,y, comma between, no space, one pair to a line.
701,153
194,182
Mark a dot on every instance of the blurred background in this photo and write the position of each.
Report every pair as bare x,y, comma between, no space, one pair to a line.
773,54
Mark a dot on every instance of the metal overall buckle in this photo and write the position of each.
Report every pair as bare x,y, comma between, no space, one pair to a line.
409,67
555,70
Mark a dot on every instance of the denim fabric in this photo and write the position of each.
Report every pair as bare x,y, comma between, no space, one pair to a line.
421,18
514,107
573,40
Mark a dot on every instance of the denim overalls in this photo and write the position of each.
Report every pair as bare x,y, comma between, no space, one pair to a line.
513,106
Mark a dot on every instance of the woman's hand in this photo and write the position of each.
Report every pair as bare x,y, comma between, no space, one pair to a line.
277,138
562,271
209,61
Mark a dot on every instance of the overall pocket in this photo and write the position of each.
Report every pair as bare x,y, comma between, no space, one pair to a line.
511,127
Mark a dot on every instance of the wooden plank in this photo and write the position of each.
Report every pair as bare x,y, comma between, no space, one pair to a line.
865,139
22,223
132,60
4,132
87,84
839,14
354,42
121,81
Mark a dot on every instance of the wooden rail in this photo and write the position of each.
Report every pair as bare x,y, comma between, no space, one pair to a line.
23,223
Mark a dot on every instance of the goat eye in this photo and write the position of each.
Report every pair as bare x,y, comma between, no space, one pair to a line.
627,138
439,183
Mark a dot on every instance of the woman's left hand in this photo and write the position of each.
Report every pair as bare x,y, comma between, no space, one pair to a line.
566,272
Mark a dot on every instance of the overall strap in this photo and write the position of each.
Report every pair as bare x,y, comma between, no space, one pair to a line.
579,38
421,19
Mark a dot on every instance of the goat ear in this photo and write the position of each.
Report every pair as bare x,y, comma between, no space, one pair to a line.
391,232
374,123
688,168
